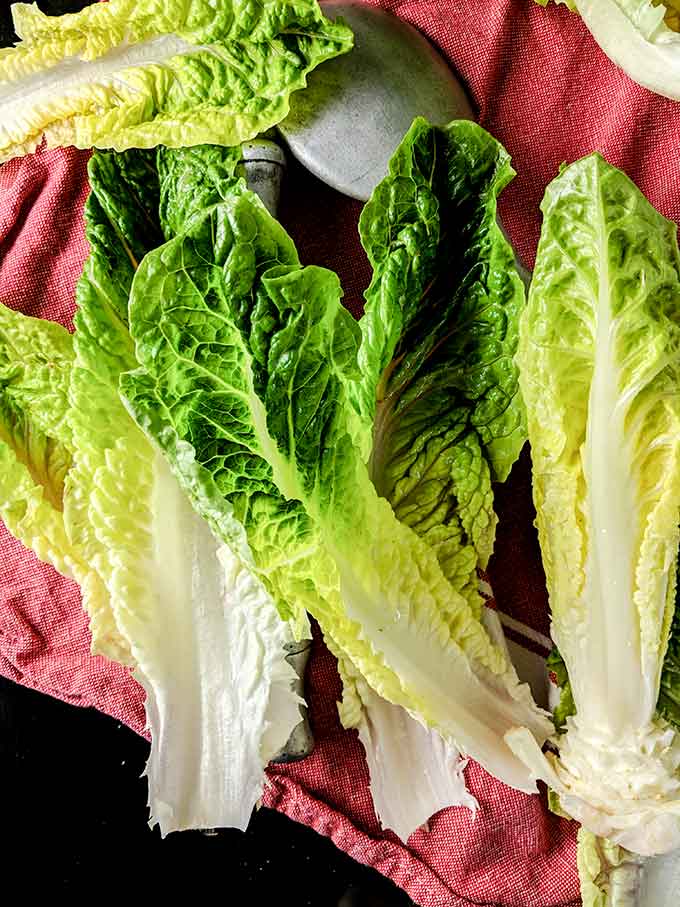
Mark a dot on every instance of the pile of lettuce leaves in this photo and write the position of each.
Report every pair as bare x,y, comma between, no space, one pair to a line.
220,450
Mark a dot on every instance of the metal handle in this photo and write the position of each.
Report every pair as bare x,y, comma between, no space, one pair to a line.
264,163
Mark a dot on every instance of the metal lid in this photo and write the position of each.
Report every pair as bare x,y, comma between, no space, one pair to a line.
357,107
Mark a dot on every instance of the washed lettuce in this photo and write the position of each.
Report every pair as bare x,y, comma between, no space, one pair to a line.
441,411
202,633
36,457
401,754
141,73
440,389
600,373
640,36
248,382
316,484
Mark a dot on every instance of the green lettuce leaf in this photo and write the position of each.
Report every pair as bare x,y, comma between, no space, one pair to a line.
438,335
440,388
640,36
600,373
192,179
197,626
141,73
248,364
35,366
36,457
111,455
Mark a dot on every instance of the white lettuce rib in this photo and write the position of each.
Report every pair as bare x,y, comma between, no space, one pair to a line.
209,650
413,772
609,657
472,708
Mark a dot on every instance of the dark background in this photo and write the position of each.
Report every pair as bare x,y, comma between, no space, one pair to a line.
73,814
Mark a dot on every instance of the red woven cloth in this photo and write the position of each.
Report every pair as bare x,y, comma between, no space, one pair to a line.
541,86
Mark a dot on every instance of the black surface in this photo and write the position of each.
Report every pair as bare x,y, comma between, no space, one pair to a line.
73,815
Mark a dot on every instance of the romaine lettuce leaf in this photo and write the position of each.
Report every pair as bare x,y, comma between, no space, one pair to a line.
441,407
202,632
440,388
600,373
36,458
111,456
640,36
141,73
236,493
401,754
248,361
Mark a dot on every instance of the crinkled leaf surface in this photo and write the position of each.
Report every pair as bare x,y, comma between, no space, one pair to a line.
440,388
202,632
141,73
37,453
192,179
247,360
600,372
209,437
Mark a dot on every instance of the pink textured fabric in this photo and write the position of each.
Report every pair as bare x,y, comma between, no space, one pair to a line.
543,87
